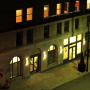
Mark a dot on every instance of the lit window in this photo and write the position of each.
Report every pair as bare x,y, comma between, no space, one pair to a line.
46,10
76,5
66,41
79,37
15,67
66,8
78,47
58,11
18,16
72,39
88,4
65,53
29,13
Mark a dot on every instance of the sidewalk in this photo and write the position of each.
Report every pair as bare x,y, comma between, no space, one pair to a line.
51,78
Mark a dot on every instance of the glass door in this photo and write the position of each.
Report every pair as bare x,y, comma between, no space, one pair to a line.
34,64
31,64
71,53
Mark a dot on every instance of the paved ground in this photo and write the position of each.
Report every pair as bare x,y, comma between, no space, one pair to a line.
50,79
81,83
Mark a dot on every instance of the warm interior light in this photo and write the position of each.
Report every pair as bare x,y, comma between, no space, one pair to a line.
73,39
45,8
29,13
66,41
88,1
18,16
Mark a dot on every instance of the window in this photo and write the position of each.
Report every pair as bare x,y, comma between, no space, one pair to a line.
78,47
58,11
76,24
79,37
29,36
46,31
59,28
76,5
46,10
19,38
66,7
88,4
15,67
51,54
72,39
65,52
66,26
29,13
66,41
18,16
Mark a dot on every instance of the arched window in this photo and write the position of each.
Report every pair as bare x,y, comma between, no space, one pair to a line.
15,67
51,54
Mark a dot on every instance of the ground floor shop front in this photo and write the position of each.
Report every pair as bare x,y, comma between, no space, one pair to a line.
40,57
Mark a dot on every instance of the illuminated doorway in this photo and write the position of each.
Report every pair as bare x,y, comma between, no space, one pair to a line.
72,53
72,48
35,61
34,64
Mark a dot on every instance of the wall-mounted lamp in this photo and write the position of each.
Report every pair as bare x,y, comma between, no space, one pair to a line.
60,49
26,61
44,55
84,41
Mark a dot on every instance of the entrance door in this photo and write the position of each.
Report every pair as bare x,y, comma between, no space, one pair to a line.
71,53
34,64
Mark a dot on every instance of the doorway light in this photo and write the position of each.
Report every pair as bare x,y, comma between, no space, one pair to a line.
60,49
26,61
44,55
84,41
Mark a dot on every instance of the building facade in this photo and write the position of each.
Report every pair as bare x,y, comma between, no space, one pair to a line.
38,35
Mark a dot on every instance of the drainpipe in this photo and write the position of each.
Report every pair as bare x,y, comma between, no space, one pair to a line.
87,47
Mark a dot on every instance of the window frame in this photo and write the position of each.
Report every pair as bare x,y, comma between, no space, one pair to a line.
66,26
77,5
88,4
76,24
67,7
30,40
59,29
46,11
46,32
58,9
18,62
30,14
19,41
19,15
